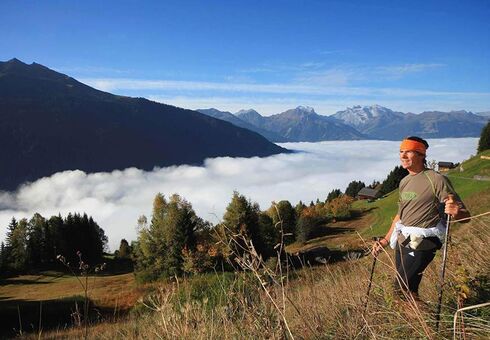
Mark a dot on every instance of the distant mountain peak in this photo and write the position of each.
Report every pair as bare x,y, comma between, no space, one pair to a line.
306,109
15,61
359,116
373,109
250,115
211,109
247,112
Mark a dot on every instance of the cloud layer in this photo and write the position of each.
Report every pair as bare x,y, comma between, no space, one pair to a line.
117,199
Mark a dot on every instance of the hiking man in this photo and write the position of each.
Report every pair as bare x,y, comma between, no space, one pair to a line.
418,229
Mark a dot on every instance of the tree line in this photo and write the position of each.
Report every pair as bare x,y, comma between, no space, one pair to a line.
34,244
176,241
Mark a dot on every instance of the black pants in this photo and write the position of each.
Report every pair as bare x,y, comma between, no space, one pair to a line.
410,265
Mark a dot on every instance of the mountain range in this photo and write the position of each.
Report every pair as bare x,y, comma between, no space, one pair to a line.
381,123
50,122
303,124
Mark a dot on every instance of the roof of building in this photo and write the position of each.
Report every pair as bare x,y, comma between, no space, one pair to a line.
446,164
368,192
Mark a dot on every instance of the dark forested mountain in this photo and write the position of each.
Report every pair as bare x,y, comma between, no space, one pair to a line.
230,117
50,122
381,123
303,124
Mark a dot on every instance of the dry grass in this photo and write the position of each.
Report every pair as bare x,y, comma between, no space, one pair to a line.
105,291
319,303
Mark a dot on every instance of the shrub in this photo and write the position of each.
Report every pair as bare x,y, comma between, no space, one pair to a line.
308,224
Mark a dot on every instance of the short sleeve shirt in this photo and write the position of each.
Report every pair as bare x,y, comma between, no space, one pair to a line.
421,201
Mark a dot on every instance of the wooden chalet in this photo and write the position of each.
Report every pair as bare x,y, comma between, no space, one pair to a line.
367,193
445,166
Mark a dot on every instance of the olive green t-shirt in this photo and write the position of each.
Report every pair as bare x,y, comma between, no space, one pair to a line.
421,201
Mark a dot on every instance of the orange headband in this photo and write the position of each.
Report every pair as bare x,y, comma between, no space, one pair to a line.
413,145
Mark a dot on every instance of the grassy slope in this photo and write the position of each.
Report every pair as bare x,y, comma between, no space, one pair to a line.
55,294
106,291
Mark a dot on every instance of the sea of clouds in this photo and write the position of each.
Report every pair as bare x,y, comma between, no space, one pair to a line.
118,198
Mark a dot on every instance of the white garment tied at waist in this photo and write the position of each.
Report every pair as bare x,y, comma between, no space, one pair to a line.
417,234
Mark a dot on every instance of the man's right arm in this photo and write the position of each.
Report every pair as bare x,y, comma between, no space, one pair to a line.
379,245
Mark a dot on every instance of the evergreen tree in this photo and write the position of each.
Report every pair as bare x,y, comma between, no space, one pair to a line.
333,194
124,249
36,241
7,252
159,250
3,259
241,221
34,244
353,188
17,243
284,217
181,226
484,142
308,225
10,231
298,209
393,180
269,233
57,245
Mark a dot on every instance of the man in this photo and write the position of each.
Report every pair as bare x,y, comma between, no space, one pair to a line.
418,229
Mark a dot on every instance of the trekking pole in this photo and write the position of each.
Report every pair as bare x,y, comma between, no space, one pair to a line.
450,199
371,277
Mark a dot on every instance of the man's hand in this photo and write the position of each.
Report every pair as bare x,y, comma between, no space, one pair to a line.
456,209
378,246
452,207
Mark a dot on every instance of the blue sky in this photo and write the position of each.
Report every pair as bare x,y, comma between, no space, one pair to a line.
268,55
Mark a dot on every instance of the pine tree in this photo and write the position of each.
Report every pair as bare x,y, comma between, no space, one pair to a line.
393,180
10,231
17,242
484,142
159,250
333,194
3,258
298,209
353,188
283,218
124,249
36,241
241,222
58,234
269,233
308,224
